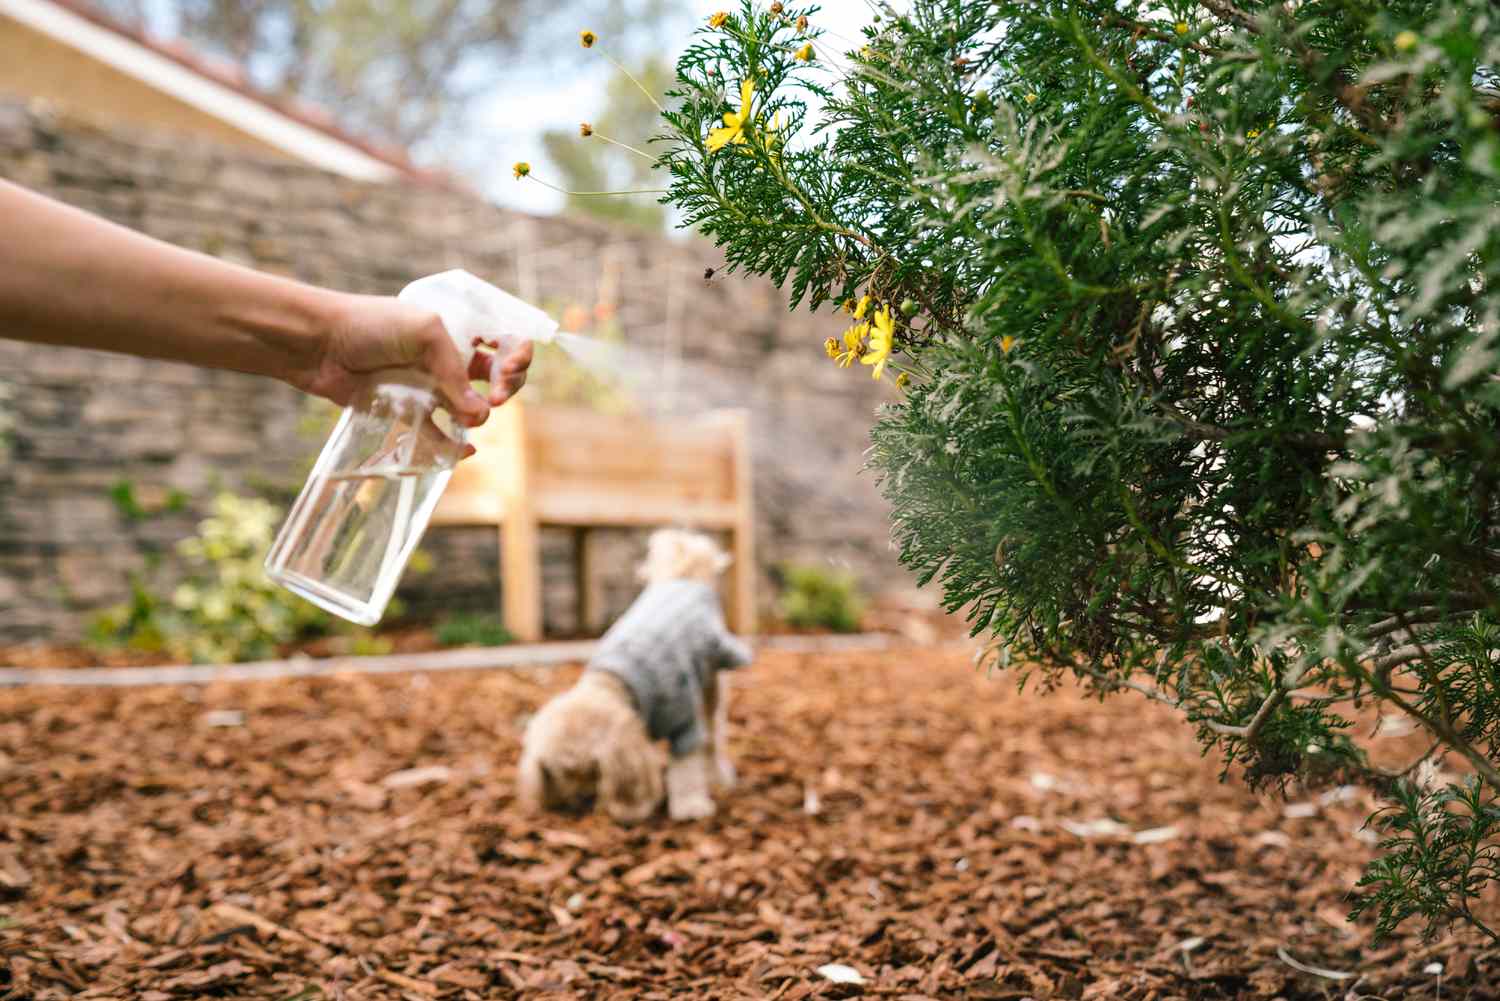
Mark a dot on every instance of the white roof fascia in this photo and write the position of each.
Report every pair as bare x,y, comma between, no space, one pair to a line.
155,70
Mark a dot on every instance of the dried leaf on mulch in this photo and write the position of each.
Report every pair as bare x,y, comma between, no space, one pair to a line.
897,815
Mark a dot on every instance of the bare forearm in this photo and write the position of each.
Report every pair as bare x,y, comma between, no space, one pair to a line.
70,278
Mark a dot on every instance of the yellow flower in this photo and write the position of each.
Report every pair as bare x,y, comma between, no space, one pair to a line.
862,308
1252,134
1031,98
587,39
903,380
521,169
805,53
585,129
718,19
802,23
1406,41
853,344
1182,28
831,347
881,342
734,122
1006,343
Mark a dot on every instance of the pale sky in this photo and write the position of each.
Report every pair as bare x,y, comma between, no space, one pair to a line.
512,123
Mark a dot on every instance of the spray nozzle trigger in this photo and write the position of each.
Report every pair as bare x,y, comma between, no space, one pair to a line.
474,312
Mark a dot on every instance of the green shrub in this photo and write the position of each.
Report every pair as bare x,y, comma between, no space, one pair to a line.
228,610
1197,309
467,629
815,598
122,492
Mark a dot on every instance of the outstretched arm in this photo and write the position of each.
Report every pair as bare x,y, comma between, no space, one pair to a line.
70,278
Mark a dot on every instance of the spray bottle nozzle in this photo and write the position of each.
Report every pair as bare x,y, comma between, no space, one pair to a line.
474,312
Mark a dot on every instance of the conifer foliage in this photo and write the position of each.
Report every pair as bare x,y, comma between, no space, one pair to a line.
1199,347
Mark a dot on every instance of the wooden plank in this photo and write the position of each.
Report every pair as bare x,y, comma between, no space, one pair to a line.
744,612
617,508
465,659
520,544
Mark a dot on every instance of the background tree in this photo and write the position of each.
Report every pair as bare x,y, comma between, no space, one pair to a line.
595,163
1194,306
402,71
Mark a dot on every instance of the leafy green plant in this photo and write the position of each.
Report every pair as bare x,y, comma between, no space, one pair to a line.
135,624
1194,306
467,629
229,609
122,492
815,598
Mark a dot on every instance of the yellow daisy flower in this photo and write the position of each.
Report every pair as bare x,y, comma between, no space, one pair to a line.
881,341
862,308
831,347
587,39
1181,27
718,19
805,54
521,169
734,122
853,345
1031,98
1006,343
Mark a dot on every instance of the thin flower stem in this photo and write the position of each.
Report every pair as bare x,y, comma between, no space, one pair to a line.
594,194
631,77
616,142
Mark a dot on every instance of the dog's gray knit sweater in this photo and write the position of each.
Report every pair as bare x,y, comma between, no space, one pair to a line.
665,648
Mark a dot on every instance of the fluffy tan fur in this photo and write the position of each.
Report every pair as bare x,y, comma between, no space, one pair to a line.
589,746
590,743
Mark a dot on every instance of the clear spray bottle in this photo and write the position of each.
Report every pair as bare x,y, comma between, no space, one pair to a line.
366,503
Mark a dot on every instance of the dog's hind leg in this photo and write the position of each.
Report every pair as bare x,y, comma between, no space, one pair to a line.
717,705
687,785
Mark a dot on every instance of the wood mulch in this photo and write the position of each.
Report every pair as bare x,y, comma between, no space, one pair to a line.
934,830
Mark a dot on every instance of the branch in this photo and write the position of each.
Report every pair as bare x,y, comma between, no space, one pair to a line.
1440,728
1231,14
1213,432
1383,666
1246,732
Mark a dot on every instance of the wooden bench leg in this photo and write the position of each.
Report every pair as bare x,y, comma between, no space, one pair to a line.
583,582
521,579
742,610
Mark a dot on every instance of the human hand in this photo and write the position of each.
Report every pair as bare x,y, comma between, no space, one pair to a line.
366,333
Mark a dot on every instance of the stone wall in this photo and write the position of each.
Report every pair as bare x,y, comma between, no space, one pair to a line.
75,425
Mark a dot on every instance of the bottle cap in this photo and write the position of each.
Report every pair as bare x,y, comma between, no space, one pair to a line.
474,311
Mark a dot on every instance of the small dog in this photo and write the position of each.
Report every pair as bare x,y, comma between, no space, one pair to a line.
656,676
